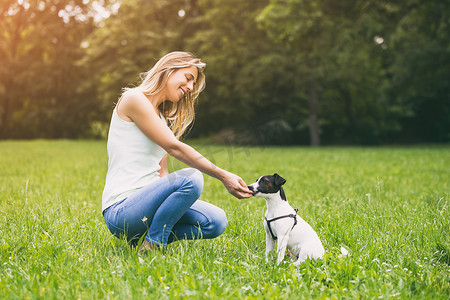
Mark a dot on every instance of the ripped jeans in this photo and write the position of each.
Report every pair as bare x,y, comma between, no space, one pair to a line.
167,210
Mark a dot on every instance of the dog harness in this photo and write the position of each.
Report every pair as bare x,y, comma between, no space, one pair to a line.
281,217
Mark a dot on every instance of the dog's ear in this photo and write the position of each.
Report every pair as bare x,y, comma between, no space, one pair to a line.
279,181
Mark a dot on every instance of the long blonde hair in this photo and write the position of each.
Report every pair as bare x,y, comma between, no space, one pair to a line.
181,114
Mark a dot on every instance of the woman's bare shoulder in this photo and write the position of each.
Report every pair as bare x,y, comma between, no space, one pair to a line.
135,103
134,99
133,95
132,102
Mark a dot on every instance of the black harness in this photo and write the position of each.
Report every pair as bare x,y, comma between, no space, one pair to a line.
281,217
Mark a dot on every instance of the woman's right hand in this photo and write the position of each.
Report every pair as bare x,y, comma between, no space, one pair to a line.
235,185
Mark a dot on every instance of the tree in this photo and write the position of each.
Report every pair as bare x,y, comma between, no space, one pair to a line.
343,59
249,79
303,28
39,45
420,69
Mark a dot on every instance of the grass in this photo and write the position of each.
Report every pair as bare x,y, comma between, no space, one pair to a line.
388,206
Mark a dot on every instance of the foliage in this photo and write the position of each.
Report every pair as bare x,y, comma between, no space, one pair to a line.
388,206
327,72
39,78
248,77
421,69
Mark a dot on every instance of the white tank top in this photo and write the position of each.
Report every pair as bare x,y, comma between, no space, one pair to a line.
133,160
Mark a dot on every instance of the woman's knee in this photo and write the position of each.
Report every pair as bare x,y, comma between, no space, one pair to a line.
218,224
195,179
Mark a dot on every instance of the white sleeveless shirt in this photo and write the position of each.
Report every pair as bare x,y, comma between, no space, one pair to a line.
133,160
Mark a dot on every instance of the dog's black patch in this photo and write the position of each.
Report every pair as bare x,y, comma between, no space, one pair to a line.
279,180
271,184
282,194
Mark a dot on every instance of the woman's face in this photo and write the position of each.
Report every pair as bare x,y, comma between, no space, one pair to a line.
180,82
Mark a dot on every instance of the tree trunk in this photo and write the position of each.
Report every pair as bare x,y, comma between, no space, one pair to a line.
348,104
313,99
4,110
6,100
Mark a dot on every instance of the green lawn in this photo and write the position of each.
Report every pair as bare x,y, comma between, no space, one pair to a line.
388,206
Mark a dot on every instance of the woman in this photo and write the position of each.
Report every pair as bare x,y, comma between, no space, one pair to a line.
140,197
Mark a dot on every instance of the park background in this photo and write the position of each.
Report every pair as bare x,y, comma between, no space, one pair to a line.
285,72
367,79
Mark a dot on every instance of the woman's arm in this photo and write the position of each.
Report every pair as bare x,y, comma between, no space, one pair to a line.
233,183
140,110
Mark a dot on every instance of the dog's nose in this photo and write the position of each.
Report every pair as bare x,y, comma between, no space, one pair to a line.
250,188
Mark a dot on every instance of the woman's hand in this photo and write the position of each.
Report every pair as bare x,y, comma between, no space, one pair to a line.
235,185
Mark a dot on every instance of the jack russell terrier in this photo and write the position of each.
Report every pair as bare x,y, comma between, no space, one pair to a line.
283,225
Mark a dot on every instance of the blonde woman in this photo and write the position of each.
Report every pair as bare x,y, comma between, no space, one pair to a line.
140,196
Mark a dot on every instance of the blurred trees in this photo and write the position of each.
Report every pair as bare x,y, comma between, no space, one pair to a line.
283,71
250,79
39,74
360,58
419,68
131,42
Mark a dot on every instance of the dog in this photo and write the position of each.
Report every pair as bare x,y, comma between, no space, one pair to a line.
283,225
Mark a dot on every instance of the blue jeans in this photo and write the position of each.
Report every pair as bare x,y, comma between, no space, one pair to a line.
167,210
